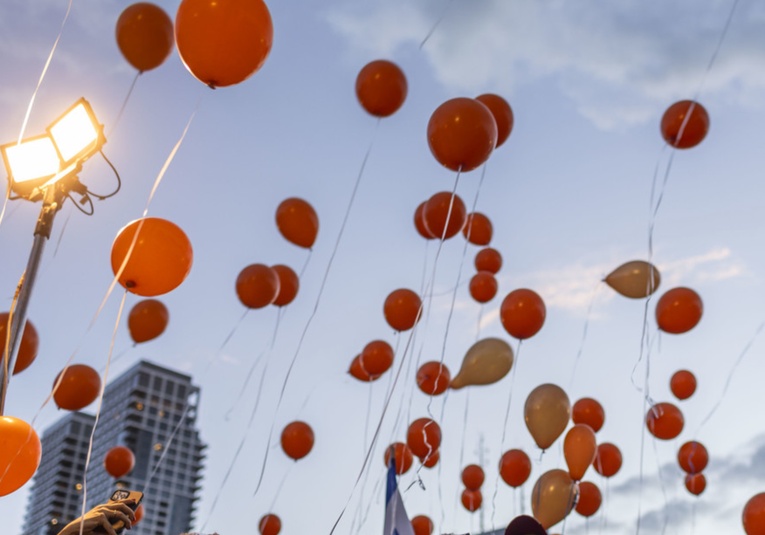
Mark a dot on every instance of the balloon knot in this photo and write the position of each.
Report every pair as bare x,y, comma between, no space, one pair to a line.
130,284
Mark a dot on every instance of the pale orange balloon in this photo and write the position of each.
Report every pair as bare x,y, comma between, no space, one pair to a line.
546,412
579,448
553,497
635,279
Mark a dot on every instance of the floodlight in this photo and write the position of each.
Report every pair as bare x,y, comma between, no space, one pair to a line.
30,163
77,134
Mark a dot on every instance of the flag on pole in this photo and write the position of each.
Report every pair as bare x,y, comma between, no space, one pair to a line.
396,520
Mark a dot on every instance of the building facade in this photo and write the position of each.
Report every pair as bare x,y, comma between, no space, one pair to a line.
152,410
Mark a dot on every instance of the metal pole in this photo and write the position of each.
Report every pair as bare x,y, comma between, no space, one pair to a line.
54,197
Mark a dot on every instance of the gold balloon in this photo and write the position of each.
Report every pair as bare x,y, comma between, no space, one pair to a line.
635,279
486,362
553,497
547,411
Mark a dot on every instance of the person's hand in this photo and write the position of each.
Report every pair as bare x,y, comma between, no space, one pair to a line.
100,519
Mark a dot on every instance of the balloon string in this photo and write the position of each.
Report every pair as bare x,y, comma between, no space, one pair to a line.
478,325
279,488
98,409
584,334
118,356
167,445
712,60
663,488
462,447
736,364
504,427
437,24
603,517
124,104
44,71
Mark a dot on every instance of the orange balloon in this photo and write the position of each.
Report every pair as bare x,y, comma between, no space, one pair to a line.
431,460
381,88
403,457
522,313
288,285
297,440
483,286
488,259
422,525
20,452
753,515
579,448
685,124
223,42
590,412
472,500
160,259
608,459
478,229
402,309
257,286
664,421
270,524
503,115
693,457
553,497
515,467
357,370
79,387
147,320
145,35
683,384
589,499
297,221
462,133
419,223
433,378
444,215
423,437
679,310
377,357
695,483
473,477
119,461
139,512
30,343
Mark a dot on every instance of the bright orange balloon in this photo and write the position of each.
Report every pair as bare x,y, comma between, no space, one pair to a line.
473,477
431,460
257,286
402,309
403,457
695,483
483,286
515,467
297,221
433,378
553,497
444,215
679,310
288,285
753,515
472,500
20,452
546,413
590,499
377,357
160,259
692,457
147,320
423,437
357,370
579,448
683,384
503,115
664,421
685,124
522,313
588,411
488,259
462,133
270,524
297,440
30,343
223,42
145,35
381,88
608,459
478,229
422,525
79,387
119,461
419,222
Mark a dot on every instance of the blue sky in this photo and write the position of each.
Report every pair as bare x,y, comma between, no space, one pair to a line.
568,195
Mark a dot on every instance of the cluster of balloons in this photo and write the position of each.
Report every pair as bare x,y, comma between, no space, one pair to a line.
472,477
297,440
423,438
374,360
258,285
483,285
693,458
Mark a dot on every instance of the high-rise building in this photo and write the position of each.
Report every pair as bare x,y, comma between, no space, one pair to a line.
152,410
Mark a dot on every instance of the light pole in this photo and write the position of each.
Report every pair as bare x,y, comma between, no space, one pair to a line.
45,168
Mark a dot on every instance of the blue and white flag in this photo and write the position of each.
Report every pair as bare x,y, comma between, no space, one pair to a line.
396,520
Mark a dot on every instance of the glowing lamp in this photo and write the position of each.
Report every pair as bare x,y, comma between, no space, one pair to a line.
77,134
